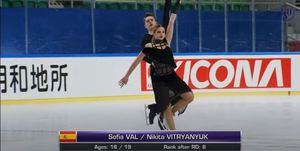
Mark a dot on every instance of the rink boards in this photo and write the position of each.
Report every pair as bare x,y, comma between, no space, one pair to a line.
71,77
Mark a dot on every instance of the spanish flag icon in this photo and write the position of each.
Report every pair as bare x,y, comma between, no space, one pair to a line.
67,136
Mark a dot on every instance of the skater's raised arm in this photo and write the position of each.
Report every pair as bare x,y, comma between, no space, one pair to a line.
134,64
166,14
170,29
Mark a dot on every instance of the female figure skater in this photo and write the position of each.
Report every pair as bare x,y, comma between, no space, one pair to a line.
150,24
163,76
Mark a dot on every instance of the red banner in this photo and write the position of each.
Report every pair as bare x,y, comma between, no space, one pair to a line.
229,73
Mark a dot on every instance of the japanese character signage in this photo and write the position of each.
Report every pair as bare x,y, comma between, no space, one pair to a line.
36,77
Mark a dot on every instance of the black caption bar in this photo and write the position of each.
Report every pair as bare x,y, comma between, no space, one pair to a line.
150,146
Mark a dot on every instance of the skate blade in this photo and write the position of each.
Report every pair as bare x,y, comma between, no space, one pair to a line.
146,116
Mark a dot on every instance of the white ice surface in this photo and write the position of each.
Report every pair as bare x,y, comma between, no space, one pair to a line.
268,123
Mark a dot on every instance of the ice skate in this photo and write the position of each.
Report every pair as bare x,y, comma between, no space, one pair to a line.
150,113
162,123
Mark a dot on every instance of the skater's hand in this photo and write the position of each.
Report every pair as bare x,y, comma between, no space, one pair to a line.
123,81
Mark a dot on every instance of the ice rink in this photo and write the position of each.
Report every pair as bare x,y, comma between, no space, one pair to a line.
268,123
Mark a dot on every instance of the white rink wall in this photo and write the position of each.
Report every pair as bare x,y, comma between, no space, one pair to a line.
65,77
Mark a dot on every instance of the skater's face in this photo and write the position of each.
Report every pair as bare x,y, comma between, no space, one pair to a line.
159,33
150,23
